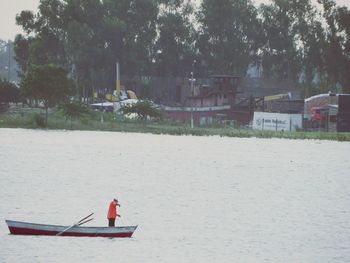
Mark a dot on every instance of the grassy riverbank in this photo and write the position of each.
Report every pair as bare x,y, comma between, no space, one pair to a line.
32,119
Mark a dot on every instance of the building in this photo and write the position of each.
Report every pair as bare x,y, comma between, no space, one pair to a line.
212,102
231,99
221,91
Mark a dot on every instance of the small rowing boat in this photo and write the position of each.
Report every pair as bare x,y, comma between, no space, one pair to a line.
24,228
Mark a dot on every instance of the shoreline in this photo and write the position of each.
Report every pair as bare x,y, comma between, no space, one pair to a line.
112,124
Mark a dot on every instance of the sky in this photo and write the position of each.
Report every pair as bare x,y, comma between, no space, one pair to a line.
9,9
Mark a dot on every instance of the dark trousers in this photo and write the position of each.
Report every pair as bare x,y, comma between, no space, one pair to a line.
111,221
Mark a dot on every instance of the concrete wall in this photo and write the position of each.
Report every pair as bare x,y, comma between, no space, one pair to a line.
268,121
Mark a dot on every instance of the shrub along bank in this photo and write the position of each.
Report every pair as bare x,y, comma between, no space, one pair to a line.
98,121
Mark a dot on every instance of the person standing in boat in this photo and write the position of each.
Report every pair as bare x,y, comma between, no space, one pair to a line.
112,212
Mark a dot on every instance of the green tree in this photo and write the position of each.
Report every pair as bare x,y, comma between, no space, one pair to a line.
337,53
73,110
48,84
299,48
280,59
45,33
88,37
140,19
313,65
175,44
90,44
229,35
294,44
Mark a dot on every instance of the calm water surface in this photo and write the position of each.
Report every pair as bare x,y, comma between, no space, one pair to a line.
195,199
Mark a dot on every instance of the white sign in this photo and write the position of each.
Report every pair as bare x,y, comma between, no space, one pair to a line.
271,121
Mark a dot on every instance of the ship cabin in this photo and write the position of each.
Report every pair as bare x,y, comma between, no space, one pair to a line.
220,91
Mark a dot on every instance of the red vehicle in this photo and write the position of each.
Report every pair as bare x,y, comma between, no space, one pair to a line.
319,114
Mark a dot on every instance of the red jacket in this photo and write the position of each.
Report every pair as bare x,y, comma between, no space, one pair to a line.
112,210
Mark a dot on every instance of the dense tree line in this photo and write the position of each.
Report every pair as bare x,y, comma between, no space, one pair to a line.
287,40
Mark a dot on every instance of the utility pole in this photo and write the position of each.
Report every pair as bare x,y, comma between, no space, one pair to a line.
192,80
192,91
117,80
9,61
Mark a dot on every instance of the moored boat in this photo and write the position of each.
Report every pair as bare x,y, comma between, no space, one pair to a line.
25,228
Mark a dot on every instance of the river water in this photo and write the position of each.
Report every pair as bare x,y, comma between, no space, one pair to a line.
194,199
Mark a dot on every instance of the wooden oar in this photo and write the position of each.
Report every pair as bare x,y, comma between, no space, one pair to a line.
81,220
77,223
81,223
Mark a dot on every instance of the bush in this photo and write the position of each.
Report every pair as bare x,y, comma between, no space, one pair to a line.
39,120
73,110
143,109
